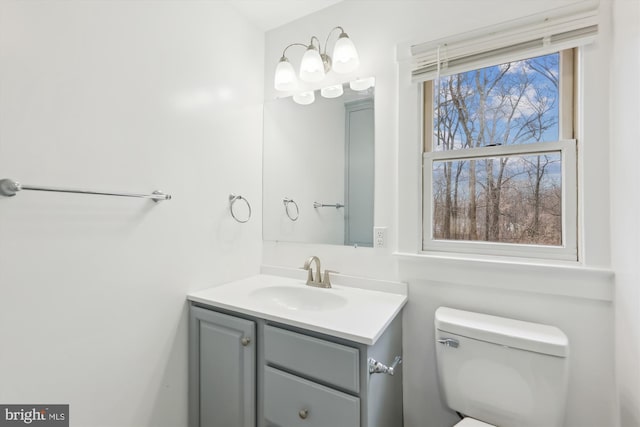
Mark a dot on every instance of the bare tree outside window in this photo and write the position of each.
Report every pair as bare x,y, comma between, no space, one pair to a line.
514,198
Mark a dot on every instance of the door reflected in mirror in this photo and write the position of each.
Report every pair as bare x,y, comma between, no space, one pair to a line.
318,169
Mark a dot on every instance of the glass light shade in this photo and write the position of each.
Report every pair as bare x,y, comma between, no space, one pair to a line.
304,98
362,84
345,55
332,91
311,66
285,78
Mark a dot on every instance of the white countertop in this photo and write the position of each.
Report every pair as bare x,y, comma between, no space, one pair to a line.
345,311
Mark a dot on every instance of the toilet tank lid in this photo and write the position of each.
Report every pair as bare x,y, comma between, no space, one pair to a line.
503,331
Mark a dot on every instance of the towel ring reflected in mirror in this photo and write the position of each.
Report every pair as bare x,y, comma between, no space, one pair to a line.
287,201
233,198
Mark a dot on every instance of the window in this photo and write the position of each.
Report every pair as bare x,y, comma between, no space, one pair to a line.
499,160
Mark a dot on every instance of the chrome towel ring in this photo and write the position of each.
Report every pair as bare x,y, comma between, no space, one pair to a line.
287,201
234,198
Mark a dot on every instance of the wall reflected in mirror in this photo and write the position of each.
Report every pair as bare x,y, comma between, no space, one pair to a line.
318,170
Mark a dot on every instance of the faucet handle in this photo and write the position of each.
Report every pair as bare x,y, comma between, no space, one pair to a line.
309,273
326,280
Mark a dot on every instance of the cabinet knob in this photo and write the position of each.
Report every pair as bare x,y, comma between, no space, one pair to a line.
245,341
303,414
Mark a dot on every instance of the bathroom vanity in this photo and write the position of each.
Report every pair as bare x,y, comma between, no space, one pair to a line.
269,351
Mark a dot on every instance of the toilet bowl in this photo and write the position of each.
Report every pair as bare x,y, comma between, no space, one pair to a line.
472,422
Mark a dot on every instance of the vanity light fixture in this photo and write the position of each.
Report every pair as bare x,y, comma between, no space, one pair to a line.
285,75
316,63
304,98
362,84
333,91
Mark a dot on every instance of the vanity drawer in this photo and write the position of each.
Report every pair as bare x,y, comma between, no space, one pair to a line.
314,358
290,401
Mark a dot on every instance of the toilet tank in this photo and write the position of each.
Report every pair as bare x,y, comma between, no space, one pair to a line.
502,371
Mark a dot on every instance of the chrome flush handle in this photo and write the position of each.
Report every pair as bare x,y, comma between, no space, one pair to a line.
449,342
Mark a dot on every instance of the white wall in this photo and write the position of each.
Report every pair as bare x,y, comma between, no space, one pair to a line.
576,298
625,179
131,96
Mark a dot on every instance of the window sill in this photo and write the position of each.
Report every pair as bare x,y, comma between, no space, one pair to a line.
561,278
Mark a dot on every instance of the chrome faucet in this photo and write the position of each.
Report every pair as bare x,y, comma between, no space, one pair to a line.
318,280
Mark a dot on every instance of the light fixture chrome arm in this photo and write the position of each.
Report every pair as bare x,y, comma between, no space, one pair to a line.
311,45
317,40
326,43
284,52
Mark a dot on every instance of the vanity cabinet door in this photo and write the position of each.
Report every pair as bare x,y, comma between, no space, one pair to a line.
291,401
222,370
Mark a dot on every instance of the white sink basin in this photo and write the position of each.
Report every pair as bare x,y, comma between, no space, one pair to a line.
300,298
350,312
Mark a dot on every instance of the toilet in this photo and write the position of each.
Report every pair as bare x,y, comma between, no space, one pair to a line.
502,372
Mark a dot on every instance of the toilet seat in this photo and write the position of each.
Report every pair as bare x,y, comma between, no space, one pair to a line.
472,422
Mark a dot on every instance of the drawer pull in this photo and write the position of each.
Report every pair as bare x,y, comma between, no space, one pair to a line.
303,413
245,341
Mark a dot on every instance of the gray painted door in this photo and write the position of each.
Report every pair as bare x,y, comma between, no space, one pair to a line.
222,369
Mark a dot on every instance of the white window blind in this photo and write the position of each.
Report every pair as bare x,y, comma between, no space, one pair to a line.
540,34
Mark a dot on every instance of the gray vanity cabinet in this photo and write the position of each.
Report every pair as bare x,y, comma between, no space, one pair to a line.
222,370
299,378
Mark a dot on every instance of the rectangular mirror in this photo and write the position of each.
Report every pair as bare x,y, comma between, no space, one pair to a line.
318,166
